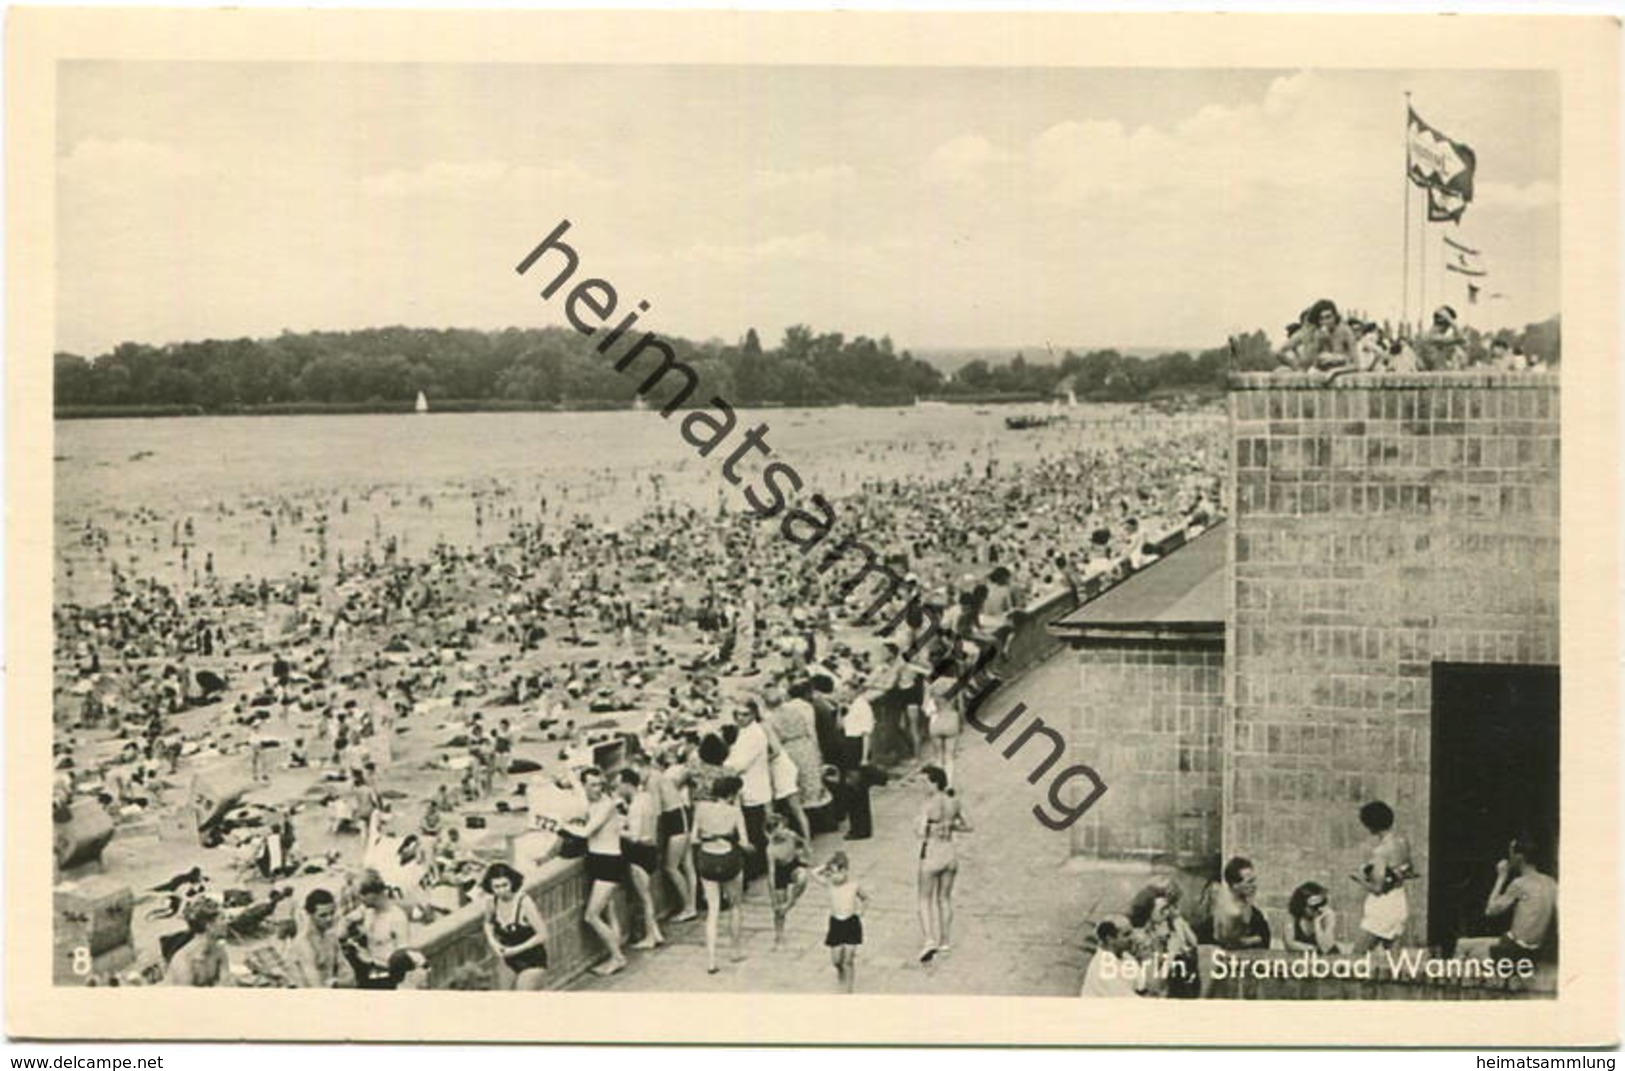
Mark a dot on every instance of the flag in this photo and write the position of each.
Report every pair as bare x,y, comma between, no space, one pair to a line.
1445,206
1435,160
1462,260
1442,167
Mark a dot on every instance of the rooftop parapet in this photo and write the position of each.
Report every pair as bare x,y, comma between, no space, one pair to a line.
1392,380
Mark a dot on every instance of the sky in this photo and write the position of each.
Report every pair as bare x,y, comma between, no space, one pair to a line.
941,207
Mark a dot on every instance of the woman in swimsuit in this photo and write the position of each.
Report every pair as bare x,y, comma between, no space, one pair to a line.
514,929
706,766
719,828
676,842
940,819
1314,922
944,710
1383,878
787,871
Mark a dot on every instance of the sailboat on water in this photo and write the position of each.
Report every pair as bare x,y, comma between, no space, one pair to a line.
422,404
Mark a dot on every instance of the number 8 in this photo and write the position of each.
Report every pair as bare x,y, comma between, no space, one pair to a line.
81,960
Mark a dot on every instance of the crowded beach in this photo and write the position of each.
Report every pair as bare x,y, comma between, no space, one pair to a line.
305,768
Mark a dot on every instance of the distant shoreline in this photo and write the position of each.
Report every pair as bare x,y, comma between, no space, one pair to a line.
477,405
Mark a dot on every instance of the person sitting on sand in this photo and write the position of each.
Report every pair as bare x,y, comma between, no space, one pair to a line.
340,814
317,961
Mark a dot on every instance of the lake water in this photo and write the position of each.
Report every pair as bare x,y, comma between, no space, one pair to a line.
419,478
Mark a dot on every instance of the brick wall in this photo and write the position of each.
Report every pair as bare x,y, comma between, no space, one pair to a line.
1378,526
1149,718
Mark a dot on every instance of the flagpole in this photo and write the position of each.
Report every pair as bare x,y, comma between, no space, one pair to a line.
1422,241
1405,184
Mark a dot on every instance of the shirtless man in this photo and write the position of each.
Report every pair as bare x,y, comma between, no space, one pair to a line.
1531,897
202,961
315,955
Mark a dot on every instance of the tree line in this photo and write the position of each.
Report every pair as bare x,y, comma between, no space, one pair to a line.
557,367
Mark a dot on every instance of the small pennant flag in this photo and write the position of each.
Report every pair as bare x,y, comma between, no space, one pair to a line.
1462,260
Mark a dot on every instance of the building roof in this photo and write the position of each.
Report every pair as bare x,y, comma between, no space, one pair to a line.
1179,595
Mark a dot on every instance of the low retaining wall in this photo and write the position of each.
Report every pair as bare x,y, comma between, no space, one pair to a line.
459,957
1032,641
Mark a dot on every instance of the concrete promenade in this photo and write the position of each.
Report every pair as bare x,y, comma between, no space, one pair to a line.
1020,907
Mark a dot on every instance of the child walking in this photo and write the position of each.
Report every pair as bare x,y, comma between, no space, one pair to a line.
846,903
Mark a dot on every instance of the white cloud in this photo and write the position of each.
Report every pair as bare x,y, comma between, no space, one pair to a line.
829,177
801,247
436,177
125,160
451,178
1296,137
1287,91
1062,209
1517,198
962,159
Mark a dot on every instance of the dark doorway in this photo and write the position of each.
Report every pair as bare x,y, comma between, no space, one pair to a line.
1494,775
